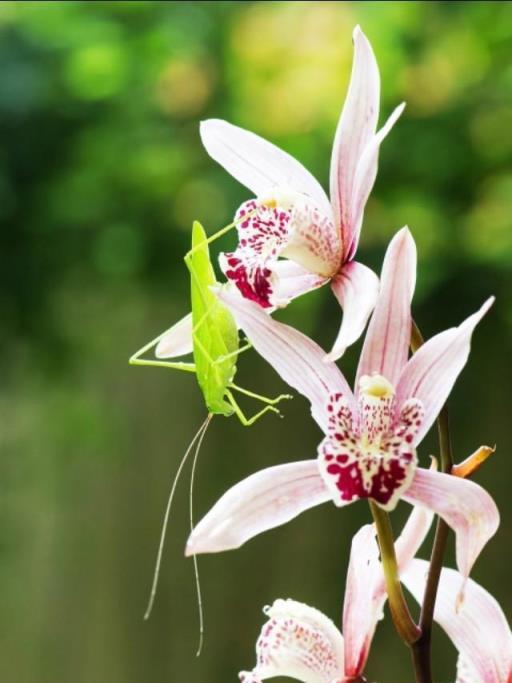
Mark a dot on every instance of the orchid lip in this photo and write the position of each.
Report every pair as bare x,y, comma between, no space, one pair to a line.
368,453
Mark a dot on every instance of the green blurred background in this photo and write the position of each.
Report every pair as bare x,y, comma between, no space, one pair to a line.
101,175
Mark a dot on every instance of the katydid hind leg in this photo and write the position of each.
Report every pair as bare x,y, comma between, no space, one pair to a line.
249,421
259,397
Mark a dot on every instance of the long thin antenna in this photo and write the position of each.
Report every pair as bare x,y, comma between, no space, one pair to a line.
194,557
198,435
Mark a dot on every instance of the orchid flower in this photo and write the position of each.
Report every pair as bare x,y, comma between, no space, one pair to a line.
292,217
477,626
369,449
300,642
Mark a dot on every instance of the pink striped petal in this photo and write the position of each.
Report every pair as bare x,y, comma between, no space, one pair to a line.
365,177
365,593
257,163
465,506
477,625
177,341
298,360
362,607
387,341
356,127
297,641
263,501
292,280
431,372
356,287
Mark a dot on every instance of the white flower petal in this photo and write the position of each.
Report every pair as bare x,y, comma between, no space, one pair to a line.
177,341
476,624
260,502
465,506
297,641
432,371
356,287
298,360
257,163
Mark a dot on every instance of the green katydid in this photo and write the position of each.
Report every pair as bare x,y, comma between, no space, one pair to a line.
215,348
215,339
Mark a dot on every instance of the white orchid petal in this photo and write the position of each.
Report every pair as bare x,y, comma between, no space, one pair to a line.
476,625
357,125
366,173
260,502
177,341
363,603
297,641
386,345
365,592
356,287
291,281
257,163
413,534
298,360
432,371
465,506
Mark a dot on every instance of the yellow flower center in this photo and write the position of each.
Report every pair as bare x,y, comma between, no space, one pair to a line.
376,386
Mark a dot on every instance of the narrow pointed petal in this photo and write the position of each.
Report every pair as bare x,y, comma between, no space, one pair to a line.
299,642
257,163
365,593
387,341
465,506
263,501
356,287
413,534
363,605
298,360
477,626
365,177
356,127
292,280
432,371
177,341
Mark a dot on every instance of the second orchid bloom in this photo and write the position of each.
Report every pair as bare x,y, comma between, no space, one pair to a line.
371,434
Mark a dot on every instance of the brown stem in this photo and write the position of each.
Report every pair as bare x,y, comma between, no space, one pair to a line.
421,650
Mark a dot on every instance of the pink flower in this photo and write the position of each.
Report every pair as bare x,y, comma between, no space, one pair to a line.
292,238
477,626
300,642
371,435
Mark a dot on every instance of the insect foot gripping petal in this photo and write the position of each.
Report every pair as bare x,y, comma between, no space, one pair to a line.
297,641
371,455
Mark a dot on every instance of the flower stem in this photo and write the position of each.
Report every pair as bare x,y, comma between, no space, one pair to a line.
421,649
404,624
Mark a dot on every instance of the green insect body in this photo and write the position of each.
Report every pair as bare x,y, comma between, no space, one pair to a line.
216,348
214,336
